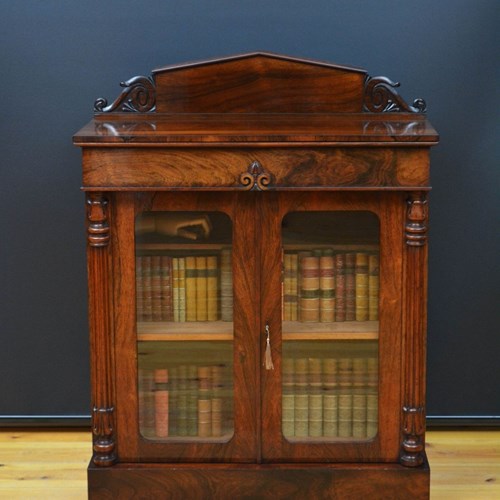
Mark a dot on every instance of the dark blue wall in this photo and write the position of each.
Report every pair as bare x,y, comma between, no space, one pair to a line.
57,57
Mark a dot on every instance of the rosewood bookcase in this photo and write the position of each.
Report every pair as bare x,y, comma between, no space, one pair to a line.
257,255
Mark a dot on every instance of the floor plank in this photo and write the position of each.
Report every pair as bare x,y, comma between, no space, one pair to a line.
40,464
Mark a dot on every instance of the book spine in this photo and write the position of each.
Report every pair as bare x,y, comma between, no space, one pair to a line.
327,286
373,286
340,287
173,418
167,312
175,288
212,288
156,288
330,398
217,400
182,401
161,394
345,397
361,277
146,403
372,397
350,288
286,296
359,372
147,290
226,280
182,289
301,409
288,416
204,402
191,294
192,401
201,288
315,398
309,299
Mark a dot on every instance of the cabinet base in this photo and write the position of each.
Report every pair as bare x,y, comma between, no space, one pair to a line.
258,481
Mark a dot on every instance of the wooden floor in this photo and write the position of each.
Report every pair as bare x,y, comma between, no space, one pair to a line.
52,464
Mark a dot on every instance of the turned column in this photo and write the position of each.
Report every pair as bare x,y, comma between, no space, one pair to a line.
101,328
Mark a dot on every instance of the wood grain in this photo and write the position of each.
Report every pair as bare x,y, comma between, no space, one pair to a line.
53,463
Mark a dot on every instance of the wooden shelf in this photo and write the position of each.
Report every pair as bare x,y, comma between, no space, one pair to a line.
191,439
188,331
185,247
342,330
223,330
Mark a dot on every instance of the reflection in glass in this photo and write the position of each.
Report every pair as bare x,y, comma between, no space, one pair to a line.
330,325
184,307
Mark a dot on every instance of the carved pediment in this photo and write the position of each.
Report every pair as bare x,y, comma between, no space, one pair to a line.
259,83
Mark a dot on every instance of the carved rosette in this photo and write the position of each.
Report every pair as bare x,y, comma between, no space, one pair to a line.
138,95
255,178
381,97
97,220
416,220
103,431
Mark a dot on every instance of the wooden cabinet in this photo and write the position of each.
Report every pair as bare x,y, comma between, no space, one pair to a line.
257,251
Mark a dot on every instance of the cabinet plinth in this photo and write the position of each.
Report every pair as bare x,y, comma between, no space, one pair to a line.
257,267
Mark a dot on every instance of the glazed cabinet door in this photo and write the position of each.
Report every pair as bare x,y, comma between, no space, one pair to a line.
331,308
186,327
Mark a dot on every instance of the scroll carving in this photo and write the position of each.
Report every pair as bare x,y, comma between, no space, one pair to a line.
413,436
416,220
138,95
97,220
103,431
381,97
255,178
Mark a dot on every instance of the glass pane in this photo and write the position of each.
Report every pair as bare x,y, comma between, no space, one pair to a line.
330,325
184,303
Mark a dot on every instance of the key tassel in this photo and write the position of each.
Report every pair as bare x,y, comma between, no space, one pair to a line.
269,358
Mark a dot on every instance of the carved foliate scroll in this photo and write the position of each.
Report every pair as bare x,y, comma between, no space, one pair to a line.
381,97
255,178
138,95
97,220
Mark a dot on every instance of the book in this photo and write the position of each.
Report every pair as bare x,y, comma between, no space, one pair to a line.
161,402
167,312
182,289
361,278
309,288
156,291
201,288
327,286
226,285
175,288
340,287
212,273
190,286
288,409
373,286
147,297
301,400
204,402
350,292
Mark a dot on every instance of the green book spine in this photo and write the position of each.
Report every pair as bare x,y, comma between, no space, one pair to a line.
294,273
359,374
288,417
287,272
361,278
217,400
182,401
212,288
372,397
192,401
